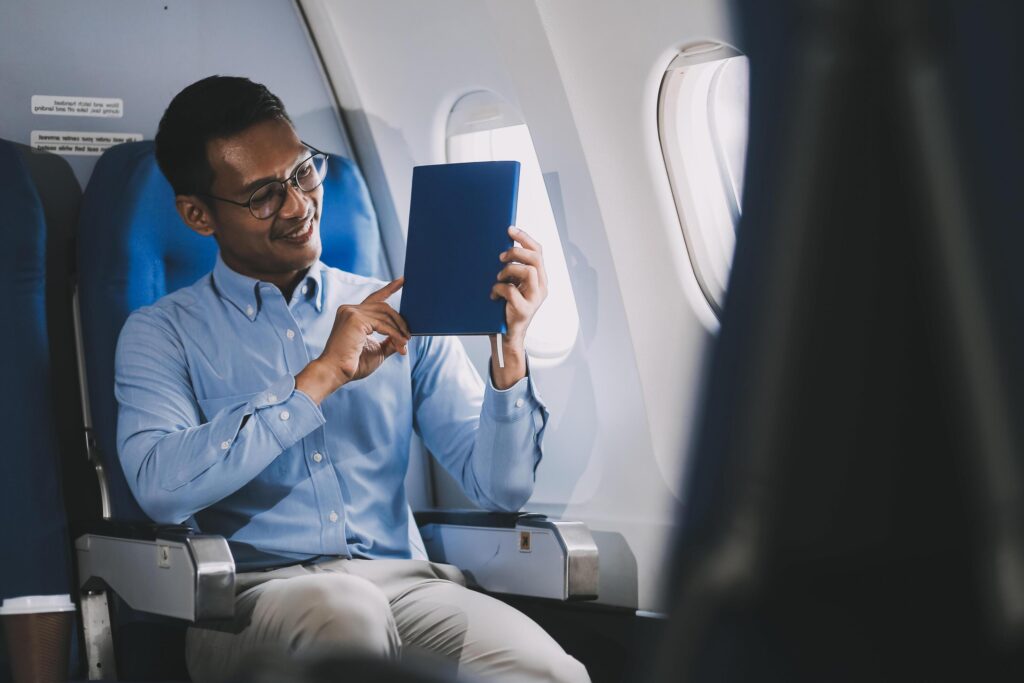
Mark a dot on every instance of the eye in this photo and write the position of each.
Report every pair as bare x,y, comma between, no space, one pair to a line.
263,195
305,170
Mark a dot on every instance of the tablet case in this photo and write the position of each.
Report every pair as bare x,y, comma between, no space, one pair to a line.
458,226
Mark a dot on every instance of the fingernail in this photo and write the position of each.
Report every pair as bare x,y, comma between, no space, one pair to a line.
513,229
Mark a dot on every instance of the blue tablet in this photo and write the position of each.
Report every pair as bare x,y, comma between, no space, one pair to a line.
458,226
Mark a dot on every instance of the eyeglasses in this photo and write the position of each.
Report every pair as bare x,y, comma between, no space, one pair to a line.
267,199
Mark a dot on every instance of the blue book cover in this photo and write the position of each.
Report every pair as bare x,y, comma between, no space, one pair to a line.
458,226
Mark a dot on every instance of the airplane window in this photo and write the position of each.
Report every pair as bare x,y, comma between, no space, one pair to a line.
483,127
702,119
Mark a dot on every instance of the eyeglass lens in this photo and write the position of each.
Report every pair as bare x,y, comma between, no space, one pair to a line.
268,199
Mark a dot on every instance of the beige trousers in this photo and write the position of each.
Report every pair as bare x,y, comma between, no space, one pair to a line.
379,607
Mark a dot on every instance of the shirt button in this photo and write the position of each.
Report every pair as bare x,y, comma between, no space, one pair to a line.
225,445
317,457
290,334
272,398
249,310
305,289
519,403
333,516
285,415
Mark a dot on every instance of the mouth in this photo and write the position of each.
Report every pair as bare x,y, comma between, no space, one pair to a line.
300,234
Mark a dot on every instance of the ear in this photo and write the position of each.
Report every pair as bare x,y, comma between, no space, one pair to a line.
195,213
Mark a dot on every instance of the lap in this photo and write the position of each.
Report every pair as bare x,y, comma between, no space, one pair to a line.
295,614
384,607
486,636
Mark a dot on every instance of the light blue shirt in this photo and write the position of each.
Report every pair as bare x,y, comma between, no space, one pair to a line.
211,427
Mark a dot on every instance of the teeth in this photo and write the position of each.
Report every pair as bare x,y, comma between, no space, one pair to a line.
297,231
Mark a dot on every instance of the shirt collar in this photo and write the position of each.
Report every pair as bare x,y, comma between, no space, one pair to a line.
315,280
243,291
239,289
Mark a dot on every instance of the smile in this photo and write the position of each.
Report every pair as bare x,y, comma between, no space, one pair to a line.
299,235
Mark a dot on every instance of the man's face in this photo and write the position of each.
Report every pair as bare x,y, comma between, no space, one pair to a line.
271,248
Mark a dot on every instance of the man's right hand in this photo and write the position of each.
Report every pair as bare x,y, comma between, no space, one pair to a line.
351,353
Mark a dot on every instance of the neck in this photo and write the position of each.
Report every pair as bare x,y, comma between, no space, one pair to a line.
286,282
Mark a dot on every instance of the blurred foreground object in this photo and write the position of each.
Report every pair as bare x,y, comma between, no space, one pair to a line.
854,507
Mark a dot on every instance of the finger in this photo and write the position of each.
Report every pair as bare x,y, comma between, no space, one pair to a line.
390,347
386,291
387,348
528,257
524,276
382,325
521,255
524,238
386,309
510,293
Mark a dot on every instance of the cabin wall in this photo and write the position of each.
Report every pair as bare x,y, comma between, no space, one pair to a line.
585,76
146,51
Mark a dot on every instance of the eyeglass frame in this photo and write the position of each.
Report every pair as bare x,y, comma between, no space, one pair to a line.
290,180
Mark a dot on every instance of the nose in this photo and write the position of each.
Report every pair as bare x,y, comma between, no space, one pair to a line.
295,202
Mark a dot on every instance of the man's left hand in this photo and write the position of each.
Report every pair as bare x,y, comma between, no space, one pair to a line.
523,284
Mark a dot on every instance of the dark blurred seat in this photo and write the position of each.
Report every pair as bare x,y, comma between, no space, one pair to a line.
36,562
855,507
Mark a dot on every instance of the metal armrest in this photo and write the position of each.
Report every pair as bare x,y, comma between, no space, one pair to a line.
518,553
162,570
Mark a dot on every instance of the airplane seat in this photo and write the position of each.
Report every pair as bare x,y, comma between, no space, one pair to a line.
854,508
36,577
133,249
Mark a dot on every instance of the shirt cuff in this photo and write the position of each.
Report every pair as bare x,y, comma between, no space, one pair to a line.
509,405
289,414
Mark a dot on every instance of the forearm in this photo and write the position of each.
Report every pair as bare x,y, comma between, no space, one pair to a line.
514,356
507,448
487,438
318,380
174,474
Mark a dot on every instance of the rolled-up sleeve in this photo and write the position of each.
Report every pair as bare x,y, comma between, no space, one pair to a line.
180,457
491,441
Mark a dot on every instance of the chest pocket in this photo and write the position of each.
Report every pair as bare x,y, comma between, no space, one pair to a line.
211,406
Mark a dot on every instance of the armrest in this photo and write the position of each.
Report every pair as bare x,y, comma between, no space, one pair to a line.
167,570
517,553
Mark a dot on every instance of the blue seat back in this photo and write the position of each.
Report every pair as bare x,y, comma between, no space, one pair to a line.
30,490
133,248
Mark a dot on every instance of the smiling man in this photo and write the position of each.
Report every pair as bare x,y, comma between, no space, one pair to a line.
273,402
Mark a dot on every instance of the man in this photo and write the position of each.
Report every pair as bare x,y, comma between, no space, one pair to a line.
274,401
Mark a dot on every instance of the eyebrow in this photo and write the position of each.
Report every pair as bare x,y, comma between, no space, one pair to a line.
259,182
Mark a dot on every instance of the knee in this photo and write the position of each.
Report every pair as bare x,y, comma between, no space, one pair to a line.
565,669
335,610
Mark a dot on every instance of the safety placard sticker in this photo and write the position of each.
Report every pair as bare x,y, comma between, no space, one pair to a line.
72,142
62,105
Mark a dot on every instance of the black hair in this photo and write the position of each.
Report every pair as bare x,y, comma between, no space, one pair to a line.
215,107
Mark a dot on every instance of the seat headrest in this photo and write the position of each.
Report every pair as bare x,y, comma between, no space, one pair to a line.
133,248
